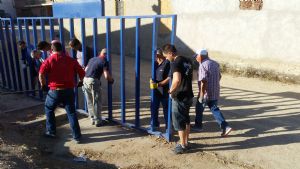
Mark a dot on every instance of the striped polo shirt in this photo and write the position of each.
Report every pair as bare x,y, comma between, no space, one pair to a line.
209,70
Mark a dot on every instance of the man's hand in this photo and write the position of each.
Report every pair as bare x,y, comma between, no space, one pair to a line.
43,87
80,83
111,81
201,99
153,85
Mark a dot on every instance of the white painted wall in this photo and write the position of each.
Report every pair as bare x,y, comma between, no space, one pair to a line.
8,7
272,33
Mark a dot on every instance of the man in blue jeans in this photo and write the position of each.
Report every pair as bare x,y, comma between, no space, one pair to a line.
209,77
60,70
161,86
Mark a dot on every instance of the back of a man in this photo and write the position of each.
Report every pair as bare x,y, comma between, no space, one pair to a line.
60,70
56,64
212,69
92,86
209,91
185,91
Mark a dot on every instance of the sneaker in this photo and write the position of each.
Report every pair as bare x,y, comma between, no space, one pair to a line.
197,128
77,140
179,149
226,131
49,135
188,146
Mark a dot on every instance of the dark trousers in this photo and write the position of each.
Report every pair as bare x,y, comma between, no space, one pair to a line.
155,105
66,97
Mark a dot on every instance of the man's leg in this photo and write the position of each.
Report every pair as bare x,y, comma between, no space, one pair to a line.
199,114
155,109
97,100
213,106
87,89
165,104
50,105
68,99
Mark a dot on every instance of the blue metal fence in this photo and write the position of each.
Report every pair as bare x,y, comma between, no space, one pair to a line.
15,77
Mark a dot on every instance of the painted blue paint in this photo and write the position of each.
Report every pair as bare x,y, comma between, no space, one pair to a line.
78,9
95,33
122,59
20,35
61,32
10,56
108,56
51,25
5,57
153,74
137,72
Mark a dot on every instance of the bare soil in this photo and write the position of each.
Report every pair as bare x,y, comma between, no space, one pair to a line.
264,115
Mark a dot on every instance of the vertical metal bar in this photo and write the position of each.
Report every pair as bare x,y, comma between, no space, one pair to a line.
174,26
122,65
5,56
61,32
108,55
73,56
102,8
95,32
20,29
153,75
29,47
51,25
34,33
169,130
2,65
24,69
13,35
35,41
2,72
137,72
82,23
43,36
10,56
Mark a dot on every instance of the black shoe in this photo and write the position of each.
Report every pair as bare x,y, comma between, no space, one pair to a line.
179,149
197,128
49,135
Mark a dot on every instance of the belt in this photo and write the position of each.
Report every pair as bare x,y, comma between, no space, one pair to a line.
60,88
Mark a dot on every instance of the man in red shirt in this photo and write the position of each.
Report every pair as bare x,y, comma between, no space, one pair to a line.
60,70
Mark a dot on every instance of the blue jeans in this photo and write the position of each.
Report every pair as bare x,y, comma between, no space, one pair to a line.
213,106
155,105
66,97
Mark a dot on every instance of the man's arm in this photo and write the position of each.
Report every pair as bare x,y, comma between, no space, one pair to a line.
164,82
107,76
175,82
202,89
79,70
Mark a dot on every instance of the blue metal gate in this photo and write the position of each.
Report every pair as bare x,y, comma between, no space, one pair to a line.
15,77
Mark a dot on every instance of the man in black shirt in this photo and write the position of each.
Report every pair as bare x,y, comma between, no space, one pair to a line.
76,45
92,86
162,68
182,94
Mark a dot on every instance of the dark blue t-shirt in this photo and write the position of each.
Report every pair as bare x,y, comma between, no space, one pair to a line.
95,67
162,72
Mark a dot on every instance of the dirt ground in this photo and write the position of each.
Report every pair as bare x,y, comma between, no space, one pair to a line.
264,115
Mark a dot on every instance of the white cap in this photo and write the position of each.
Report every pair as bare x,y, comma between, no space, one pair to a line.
202,52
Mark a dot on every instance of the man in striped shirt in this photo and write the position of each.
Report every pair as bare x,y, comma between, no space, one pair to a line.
209,77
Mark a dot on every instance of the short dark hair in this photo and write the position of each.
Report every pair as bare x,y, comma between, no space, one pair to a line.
43,45
74,42
57,47
169,48
21,42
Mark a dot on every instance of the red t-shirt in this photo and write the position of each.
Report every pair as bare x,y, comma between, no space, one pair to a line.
61,70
